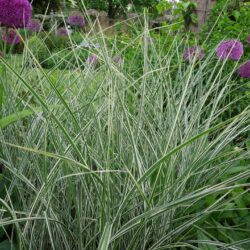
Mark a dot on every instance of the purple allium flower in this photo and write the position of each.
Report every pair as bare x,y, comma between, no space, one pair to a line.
15,13
11,37
63,32
244,70
35,25
232,49
248,39
92,60
193,53
76,19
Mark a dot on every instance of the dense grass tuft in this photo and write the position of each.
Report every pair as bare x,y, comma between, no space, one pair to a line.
144,155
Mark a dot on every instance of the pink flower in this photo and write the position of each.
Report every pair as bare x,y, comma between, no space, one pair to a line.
92,60
193,53
244,70
230,49
35,25
15,13
76,19
11,37
63,32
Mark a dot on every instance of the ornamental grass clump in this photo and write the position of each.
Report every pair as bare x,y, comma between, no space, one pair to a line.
230,49
15,13
244,70
76,19
193,53
120,158
35,25
11,37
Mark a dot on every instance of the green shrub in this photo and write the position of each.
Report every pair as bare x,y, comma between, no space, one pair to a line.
77,37
54,42
38,48
66,59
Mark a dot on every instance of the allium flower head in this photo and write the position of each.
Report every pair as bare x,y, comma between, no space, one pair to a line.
35,25
11,37
248,39
92,60
15,13
193,53
232,49
76,19
244,70
63,32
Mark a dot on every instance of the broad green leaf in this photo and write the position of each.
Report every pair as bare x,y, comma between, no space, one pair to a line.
236,14
6,245
159,7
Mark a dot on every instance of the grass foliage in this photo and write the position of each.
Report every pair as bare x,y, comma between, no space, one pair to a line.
103,158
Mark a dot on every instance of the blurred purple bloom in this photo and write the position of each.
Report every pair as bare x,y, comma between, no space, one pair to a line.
63,32
35,25
193,53
92,60
11,37
248,39
76,19
232,49
244,70
15,13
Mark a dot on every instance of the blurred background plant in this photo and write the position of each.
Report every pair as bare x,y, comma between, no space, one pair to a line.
184,13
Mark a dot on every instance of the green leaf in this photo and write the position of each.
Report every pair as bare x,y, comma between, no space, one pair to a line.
163,6
159,7
105,239
6,245
6,121
236,14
